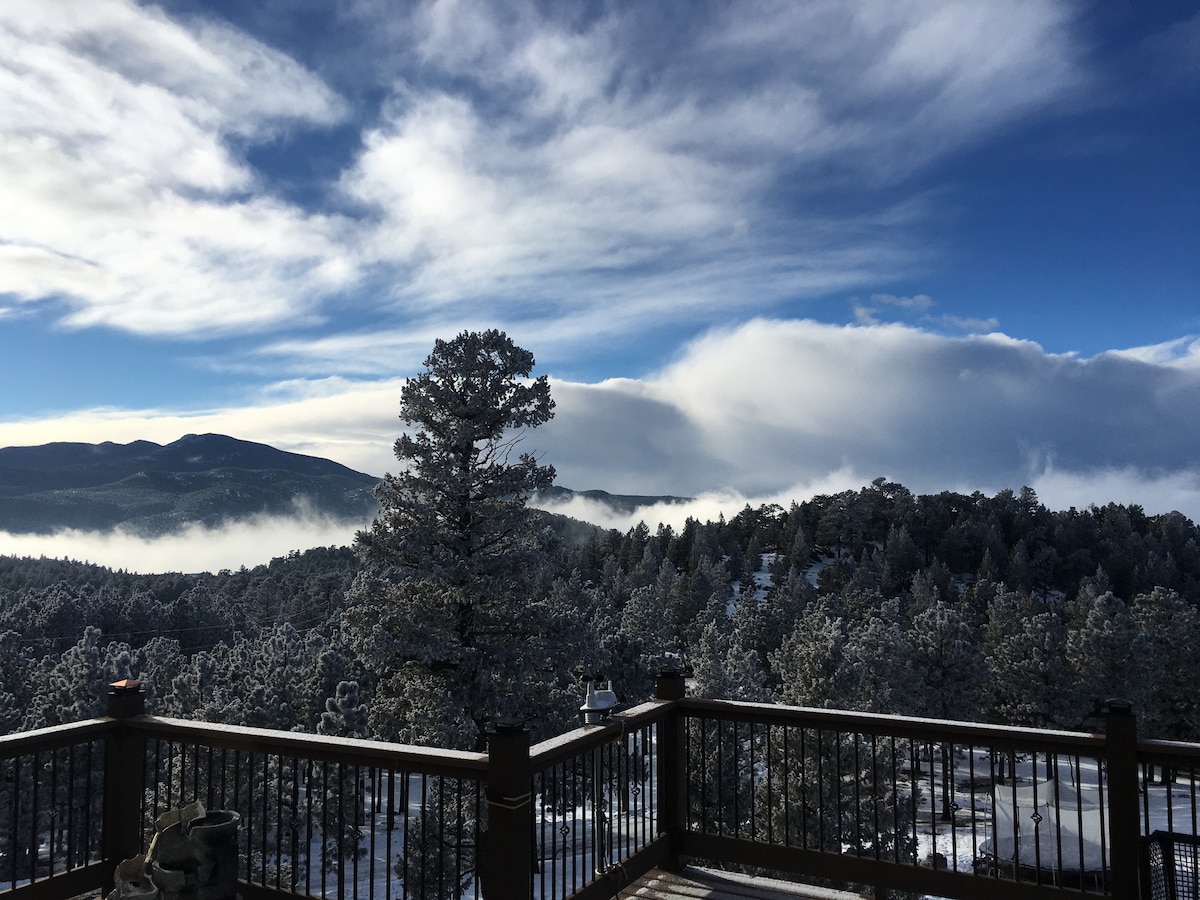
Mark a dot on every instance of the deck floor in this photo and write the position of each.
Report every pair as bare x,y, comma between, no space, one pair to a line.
697,884
707,884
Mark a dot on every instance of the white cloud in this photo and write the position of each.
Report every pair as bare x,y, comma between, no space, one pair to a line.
762,407
777,410
123,193
967,324
1181,353
249,543
1155,491
707,507
915,303
530,163
545,161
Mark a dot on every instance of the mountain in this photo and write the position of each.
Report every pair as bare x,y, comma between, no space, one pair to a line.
155,489
204,479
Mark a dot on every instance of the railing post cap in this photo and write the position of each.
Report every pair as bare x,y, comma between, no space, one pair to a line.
1116,706
509,725
126,698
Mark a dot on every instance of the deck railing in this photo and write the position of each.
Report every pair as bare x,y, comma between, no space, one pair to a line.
949,809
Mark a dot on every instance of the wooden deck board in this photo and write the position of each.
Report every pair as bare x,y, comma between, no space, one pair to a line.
706,884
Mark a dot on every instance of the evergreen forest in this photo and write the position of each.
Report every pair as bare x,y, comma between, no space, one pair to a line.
988,608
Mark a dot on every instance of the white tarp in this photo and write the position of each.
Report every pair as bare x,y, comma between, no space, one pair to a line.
1053,826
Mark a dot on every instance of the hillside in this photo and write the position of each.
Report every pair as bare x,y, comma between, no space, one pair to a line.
154,489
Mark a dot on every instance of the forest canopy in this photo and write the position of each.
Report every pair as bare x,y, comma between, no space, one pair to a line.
834,601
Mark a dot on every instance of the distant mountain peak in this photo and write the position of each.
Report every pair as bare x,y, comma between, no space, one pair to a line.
153,488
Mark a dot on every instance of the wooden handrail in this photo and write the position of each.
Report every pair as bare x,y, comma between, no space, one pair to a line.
1006,737
319,747
566,746
54,737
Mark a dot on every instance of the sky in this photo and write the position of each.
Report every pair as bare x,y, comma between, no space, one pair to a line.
762,250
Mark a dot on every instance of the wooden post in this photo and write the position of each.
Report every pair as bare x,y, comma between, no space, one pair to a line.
123,775
672,771
507,864
1124,827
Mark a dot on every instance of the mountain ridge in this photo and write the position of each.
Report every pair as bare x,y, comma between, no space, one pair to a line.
153,489
201,479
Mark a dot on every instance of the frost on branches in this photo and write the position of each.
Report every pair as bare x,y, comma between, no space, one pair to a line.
451,610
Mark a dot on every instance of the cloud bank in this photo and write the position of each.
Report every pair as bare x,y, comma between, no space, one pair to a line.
776,410
249,543
773,403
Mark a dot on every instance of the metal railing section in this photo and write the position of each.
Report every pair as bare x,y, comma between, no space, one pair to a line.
596,803
928,806
1170,773
326,817
997,804
51,802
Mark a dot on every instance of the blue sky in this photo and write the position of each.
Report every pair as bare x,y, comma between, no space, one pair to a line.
726,230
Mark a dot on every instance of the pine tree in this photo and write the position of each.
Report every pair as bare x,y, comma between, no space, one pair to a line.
1171,628
947,664
1108,653
810,663
446,611
724,670
455,513
1024,644
878,660
344,795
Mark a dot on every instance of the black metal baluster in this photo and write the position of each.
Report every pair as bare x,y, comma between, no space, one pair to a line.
953,809
820,792
971,795
33,822
72,825
1012,772
913,772
876,837
857,777
389,826
376,775
1103,843
441,836
1058,868
800,792
405,788
266,815
55,826
770,768
308,824
1192,795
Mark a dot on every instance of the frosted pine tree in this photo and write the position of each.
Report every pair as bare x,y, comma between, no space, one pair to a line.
1108,655
1171,628
644,620
947,665
818,666
445,611
1024,646
878,663
724,670
810,662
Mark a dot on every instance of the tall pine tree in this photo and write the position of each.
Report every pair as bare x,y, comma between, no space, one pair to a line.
445,611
